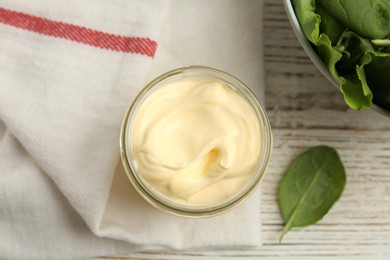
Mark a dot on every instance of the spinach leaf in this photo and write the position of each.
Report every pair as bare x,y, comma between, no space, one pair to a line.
353,48
357,93
330,56
369,18
353,86
308,19
345,52
311,185
329,25
377,73
355,89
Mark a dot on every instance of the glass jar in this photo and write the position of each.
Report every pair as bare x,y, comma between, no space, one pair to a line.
159,200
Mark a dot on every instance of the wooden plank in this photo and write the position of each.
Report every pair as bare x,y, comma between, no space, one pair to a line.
306,110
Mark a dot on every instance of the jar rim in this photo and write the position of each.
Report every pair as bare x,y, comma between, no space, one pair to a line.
208,210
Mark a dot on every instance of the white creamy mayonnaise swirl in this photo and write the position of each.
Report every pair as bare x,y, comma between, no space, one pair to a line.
196,141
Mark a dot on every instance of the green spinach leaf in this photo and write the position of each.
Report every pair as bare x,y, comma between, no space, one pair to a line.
339,29
377,73
353,47
369,18
311,185
308,19
357,93
353,87
329,25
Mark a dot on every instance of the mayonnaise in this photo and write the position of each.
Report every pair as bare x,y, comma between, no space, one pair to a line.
196,142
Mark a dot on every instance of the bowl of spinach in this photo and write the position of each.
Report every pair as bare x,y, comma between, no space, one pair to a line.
349,41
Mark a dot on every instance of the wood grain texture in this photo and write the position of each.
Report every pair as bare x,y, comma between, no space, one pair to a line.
306,110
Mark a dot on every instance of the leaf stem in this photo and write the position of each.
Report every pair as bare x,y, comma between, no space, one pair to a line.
341,38
381,42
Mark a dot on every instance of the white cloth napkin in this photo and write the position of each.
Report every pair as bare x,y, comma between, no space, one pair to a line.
63,193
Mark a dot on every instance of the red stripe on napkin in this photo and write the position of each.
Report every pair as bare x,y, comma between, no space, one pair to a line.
144,46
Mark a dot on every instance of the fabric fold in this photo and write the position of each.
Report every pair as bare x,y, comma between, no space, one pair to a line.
68,71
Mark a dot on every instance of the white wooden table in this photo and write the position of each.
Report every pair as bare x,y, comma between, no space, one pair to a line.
306,110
